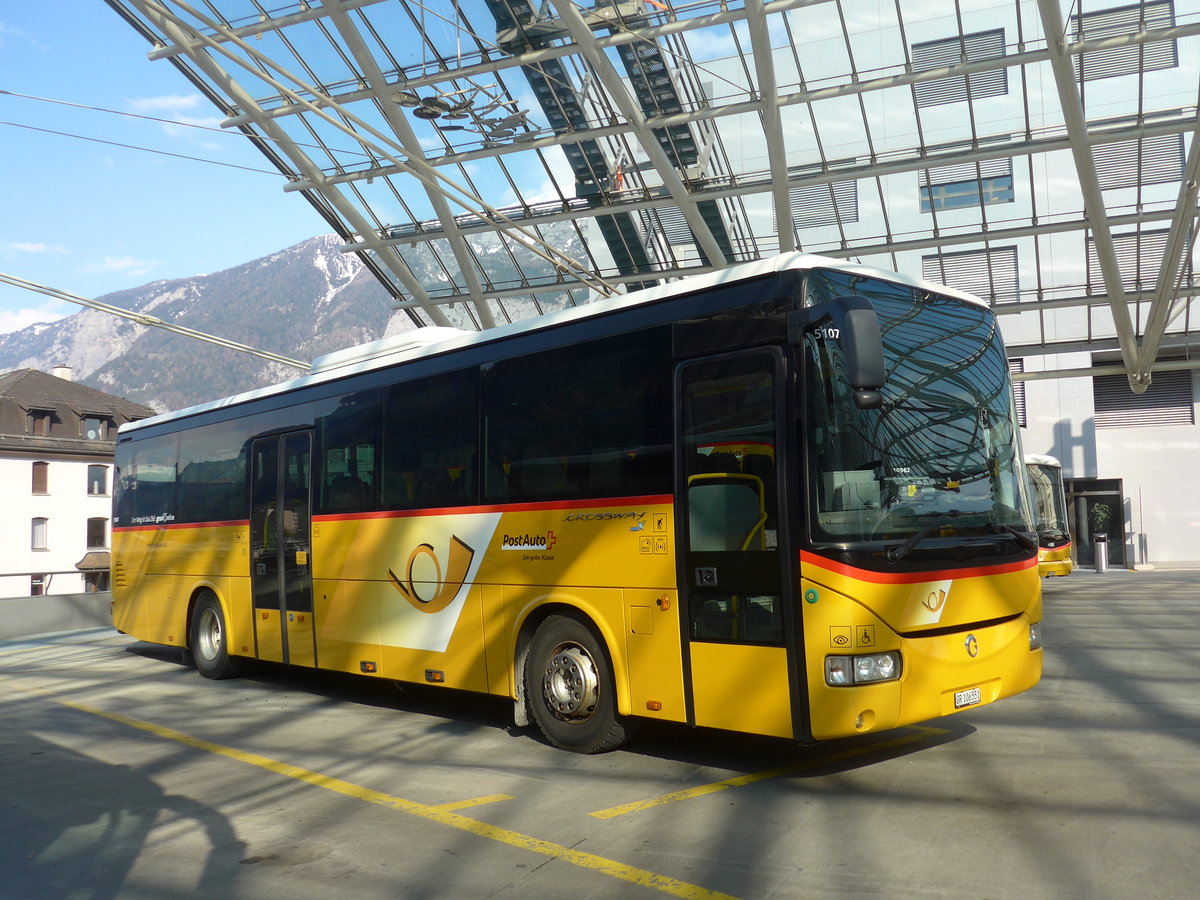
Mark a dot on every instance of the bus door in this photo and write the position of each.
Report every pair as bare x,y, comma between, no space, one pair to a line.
733,577
281,546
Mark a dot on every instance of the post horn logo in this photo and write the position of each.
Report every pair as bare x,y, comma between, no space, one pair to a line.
445,591
972,646
934,601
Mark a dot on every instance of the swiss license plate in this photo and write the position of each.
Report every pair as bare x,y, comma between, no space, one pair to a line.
969,697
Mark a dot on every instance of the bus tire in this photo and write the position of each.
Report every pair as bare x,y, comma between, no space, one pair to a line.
209,639
569,687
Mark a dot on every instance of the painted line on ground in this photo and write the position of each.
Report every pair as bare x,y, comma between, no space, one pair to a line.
476,801
441,815
741,780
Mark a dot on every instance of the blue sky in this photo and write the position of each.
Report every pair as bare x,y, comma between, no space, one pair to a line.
92,218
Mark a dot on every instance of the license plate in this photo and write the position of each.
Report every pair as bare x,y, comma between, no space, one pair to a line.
967,698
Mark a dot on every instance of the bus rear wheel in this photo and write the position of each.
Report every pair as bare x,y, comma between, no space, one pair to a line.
208,639
569,688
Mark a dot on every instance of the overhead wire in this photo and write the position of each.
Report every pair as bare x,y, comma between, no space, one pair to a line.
150,321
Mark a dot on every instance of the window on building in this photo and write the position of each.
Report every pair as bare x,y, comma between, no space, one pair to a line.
989,274
97,480
1109,62
95,428
97,533
37,585
1154,159
40,536
1015,367
41,477
816,205
952,52
1139,256
1168,401
39,422
969,184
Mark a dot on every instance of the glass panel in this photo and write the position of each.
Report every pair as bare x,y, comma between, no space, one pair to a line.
212,473
590,420
294,524
729,459
97,533
430,442
349,435
941,455
1049,501
93,428
97,480
146,483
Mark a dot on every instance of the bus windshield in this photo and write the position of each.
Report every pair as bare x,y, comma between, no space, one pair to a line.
1049,501
940,456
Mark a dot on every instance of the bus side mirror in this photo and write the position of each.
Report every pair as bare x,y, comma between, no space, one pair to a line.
852,322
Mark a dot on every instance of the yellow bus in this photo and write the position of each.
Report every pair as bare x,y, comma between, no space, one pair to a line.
783,499
1050,509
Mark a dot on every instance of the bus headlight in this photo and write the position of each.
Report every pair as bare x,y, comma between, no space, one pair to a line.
841,671
1035,635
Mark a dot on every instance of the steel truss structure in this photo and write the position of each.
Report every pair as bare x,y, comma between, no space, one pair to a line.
491,160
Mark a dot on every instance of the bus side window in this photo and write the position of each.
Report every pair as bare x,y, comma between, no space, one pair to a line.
429,442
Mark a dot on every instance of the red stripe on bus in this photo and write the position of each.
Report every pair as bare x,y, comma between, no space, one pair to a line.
652,499
807,557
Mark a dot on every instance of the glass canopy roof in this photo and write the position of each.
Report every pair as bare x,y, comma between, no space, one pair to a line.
492,160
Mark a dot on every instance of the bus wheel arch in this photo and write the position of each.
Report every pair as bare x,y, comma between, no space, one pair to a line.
567,684
208,636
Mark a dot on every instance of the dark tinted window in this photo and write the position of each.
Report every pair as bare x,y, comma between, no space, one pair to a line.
146,482
430,442
348,437
212,473
590,420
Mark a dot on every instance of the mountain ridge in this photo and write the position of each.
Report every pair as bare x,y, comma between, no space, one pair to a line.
299,302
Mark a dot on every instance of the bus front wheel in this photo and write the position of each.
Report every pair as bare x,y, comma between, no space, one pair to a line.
569,687
209,639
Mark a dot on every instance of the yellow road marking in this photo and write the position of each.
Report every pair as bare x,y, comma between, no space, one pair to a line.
24,649
477,801
439,814
740,780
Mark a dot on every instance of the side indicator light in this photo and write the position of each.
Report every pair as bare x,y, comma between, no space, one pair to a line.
435,676
654,705
367,667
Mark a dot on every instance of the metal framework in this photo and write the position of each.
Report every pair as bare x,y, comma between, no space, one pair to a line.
491,160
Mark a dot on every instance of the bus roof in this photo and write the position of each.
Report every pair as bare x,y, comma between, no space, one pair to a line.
431,341
1040,459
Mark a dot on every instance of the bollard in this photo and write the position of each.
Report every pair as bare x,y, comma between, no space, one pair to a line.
1100,542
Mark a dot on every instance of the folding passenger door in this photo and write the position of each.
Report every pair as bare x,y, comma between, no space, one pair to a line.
733,577
281,547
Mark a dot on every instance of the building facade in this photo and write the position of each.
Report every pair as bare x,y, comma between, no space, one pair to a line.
57,441
1126,457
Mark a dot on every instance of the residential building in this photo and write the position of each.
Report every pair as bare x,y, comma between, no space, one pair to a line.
57,441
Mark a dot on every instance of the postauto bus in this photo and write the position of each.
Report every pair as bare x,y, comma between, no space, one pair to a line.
784,499
1050,511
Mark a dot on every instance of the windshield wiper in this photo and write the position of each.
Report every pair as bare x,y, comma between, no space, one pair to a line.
1020,535
897,553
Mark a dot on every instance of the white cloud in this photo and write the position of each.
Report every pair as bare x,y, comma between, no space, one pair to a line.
166,105
128,264
179,108
16,248
15,319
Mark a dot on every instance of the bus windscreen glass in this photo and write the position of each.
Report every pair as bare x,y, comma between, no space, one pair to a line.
940,457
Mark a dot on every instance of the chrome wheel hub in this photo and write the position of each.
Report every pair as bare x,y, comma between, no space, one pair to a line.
571,685
209,635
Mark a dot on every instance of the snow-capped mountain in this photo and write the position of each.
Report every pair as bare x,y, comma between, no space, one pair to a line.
300,302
